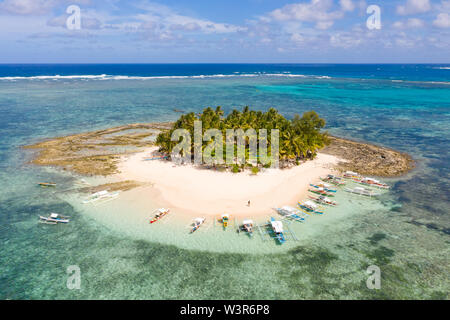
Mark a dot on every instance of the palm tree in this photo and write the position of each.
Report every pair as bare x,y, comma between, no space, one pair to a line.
299,138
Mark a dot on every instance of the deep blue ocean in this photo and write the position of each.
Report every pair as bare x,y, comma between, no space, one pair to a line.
410,72
405,107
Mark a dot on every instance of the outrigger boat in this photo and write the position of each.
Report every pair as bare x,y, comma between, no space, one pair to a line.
277,228
324,186
292,213
101,195
225,219
323,200
197,223
54,218
352,175
159,214
374,183
321,191
363,191
310,206
337,181
247,226
47,184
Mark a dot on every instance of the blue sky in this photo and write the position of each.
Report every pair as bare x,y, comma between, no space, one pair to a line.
248,31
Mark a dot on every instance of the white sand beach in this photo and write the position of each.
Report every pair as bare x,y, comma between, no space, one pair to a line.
191,191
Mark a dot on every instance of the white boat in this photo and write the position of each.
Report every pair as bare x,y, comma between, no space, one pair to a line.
334,180
103,195
277,227
323,186
362,191
352,175
54,218
374,183
247,226
323,200
197,223
293,213
159,214
310,206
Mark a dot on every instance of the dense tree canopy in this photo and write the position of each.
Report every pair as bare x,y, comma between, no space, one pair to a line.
300,137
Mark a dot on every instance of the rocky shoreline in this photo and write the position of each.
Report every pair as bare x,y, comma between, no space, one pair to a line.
369,159
98,152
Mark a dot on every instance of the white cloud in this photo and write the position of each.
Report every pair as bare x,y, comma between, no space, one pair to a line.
410,23
347,5
314,11
345,40
297,37
413,7
323,25
442,20
27,7
34,7
168,18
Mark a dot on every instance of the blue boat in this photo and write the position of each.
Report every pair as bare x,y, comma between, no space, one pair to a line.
277,228
292,213
324,186
309,206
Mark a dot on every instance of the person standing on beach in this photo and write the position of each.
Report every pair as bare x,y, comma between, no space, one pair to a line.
248,204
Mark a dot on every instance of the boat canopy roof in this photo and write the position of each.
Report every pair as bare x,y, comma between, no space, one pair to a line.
277,226
225,215
248,221
199,220
100,193
311,204
54,215
289,208
351,172
162,210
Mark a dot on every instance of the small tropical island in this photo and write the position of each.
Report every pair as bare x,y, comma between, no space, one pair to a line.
136,159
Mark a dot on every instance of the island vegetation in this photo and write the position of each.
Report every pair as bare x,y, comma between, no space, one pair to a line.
299,138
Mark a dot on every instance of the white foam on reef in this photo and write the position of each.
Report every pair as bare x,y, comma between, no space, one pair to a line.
126,77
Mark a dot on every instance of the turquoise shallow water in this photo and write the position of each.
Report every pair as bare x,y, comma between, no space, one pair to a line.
405,233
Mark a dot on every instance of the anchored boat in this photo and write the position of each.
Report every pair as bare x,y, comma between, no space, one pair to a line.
197,223
104,195
323,200
247,226
324,186
292,213
310,206
337,181
47,184
277,228
374,183
352,175
321,191
225,220
54,218
159,214
363,191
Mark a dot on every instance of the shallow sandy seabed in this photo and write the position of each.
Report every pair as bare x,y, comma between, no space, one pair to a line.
200,192
190,192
